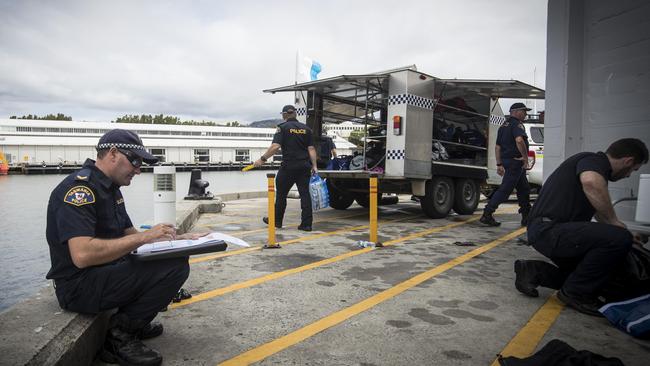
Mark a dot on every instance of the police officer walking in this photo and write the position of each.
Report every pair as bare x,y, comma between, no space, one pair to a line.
298,160
90,236
584,253
511,152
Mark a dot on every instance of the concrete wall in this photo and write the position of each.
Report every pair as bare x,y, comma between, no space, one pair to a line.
597,79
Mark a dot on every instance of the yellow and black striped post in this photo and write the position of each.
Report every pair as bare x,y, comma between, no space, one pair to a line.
270,180
373,207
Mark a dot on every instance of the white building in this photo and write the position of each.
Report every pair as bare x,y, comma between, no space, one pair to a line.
69,142
343,129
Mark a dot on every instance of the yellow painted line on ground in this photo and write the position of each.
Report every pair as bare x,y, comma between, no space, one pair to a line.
324,219
292,241
524,343
259,353
277,275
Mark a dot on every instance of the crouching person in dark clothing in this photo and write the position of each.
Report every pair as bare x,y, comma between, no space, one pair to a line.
584,253
90,235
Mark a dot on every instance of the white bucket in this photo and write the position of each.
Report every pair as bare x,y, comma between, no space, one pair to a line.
643,202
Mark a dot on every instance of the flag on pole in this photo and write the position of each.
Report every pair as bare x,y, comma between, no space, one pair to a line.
307,69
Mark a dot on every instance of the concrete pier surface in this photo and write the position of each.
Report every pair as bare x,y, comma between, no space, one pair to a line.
440,292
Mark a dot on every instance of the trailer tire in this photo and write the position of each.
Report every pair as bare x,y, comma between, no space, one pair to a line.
339,200
488,191
466,197
439,197
364,200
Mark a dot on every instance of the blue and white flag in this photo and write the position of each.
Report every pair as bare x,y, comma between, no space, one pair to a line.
307,69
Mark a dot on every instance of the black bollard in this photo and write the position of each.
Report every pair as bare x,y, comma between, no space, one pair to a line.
197,187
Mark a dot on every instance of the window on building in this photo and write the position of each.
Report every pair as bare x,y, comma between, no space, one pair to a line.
277,157
159,153
242,155
202,155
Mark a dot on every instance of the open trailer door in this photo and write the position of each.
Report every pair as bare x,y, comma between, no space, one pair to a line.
495,89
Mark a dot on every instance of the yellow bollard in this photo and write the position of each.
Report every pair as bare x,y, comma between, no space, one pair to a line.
373,208
270,180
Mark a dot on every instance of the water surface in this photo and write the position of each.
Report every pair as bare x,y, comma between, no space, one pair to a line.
25,257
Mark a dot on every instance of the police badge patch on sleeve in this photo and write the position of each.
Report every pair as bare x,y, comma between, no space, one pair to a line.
79,196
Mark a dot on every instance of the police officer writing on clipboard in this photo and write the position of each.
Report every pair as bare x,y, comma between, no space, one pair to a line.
298,160
511,153
90,235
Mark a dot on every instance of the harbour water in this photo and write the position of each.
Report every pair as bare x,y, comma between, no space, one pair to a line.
23,205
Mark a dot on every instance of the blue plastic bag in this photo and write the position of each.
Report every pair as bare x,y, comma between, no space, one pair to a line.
320,197
631,316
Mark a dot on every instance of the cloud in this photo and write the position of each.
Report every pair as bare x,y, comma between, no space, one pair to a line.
211,60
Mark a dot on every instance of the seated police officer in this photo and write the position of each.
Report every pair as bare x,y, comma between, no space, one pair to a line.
90,235
584,253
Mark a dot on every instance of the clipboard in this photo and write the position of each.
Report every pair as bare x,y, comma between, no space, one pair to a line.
207,247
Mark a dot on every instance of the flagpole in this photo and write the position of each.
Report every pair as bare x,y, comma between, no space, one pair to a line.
535,82
296,70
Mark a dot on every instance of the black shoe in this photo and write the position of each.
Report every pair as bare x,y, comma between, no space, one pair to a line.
304,227
525,280
488,219
589,307
277,224
151,330
126,349
524,218
182,294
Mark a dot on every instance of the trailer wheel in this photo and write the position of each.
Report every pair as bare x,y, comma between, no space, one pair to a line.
438,198
488,191
466,197
364,200
339,200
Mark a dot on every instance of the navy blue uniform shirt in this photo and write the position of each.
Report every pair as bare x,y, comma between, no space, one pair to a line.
326,146
562,198
85,203
506,136
294,137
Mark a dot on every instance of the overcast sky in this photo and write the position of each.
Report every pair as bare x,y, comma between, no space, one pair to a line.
98,60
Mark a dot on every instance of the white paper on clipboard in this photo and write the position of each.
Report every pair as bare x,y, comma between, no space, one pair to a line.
161,246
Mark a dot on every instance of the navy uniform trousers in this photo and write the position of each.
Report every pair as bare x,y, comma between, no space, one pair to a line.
285,179
514,177
140,289
585,253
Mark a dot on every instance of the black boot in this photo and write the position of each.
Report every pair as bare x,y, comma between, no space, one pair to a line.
583,305
151,330
123,346
278,224
526,279
181,295
524,216
488,219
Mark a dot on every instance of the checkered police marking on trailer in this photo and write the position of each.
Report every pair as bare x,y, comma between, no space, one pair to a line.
497,120
411,99
301,111
394,154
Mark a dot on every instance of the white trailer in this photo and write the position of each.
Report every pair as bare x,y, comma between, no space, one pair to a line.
424,136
